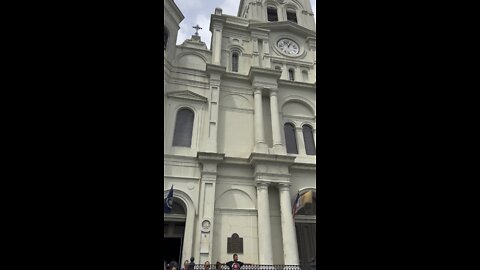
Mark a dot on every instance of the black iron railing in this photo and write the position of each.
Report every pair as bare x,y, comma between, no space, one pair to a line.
253,267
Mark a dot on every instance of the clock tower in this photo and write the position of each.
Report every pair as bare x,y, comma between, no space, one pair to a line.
299,11
264,60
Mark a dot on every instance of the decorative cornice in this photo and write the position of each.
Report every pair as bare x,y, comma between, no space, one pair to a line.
187,94
270,158
237,161
216,68
236,211
304,166
210,157
231,75
285,25
272,177
264,72
216,21
174,10
288,83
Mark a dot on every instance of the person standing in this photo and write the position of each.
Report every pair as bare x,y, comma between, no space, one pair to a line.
185,265
206,265
235,264
173,263
191,266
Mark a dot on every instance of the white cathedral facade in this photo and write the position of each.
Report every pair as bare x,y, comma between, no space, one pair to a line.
240,135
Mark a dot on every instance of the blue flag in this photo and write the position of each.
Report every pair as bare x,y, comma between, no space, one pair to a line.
168,202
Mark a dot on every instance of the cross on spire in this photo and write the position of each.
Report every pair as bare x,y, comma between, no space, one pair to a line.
198,28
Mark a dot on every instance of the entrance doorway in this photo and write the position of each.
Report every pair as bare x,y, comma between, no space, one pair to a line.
173,234
306,239
305,225
173,250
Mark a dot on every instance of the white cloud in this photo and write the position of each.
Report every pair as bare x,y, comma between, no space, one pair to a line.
182,33
205,34
230,7
187,5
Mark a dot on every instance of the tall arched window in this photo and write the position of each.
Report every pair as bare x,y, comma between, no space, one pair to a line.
272,14
292,16
308,140
182,135
291,74
290,138
235,61
165,37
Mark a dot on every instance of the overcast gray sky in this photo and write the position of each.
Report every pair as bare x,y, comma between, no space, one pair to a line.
199,11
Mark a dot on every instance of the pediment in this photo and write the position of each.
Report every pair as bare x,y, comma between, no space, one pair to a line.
187,95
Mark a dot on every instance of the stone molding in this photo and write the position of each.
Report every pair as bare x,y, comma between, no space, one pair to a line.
187,95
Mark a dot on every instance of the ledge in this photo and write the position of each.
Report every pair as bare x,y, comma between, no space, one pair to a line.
270,158
210,157
216,68
268,72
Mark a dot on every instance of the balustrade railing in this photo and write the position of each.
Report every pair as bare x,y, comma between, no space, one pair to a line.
253,267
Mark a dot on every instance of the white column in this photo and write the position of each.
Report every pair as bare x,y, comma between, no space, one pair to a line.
300,141
264,234
290,249
315,137
276,127
260,145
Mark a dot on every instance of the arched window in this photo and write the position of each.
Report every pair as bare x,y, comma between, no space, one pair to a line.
308,140
235,61
165,37
292,16
309,209
272,14
291,74
290,138
182,135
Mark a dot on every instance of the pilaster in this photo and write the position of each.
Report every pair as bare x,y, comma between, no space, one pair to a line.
278,147
300,141
215,72
260,145
266,54
209,162
216,27
255,54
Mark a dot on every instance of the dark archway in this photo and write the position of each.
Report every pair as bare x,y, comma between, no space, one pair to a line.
305,225
174,233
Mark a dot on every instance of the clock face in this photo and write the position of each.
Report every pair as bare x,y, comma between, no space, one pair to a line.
288,46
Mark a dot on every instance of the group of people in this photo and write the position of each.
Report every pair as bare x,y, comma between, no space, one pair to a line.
233,265
173,265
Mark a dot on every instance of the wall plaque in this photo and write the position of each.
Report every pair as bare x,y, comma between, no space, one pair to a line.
234,244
